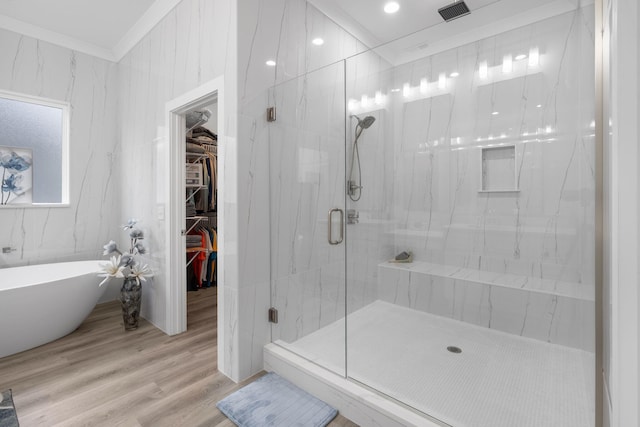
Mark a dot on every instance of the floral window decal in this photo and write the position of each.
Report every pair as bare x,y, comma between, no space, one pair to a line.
16,175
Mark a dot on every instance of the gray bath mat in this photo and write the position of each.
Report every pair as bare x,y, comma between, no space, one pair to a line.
8,417
273,401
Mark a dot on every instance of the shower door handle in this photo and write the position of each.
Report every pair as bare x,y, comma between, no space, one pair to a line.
331,212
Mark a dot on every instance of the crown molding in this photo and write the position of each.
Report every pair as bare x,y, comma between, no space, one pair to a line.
158,10
56,38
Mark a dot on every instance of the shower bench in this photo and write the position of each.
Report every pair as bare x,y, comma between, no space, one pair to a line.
549,310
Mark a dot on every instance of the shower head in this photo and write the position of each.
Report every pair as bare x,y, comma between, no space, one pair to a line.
355,186
366,122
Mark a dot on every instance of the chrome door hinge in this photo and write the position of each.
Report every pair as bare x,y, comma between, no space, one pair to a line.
273,315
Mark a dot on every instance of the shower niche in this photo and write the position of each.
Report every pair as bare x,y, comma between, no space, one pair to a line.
499,169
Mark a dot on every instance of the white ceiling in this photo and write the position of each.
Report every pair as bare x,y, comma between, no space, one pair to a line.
107,29
417,29
368,19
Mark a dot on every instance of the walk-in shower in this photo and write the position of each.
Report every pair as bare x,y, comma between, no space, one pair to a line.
354,183
479,161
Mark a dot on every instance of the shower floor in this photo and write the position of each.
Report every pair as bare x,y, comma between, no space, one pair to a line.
498,380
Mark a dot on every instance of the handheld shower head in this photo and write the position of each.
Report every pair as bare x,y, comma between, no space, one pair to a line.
354,187
366,122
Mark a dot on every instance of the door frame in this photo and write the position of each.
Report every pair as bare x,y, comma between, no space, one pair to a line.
175,265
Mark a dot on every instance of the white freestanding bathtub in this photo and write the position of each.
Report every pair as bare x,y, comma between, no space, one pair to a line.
41,303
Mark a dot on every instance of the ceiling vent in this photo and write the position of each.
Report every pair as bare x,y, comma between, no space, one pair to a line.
454,10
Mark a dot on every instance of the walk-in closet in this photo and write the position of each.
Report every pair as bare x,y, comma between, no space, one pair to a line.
201,179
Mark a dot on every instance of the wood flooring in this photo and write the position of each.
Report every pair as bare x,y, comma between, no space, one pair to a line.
101,375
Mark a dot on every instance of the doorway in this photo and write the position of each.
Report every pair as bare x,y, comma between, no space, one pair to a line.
201,98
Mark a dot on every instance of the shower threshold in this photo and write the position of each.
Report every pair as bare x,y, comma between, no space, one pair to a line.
458,373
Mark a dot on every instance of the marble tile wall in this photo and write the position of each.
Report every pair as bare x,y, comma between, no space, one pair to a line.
544,109
77,231
194,44
307,161
422,169
369,80
118,140
282,31
198,41
543,310
543,233
306,158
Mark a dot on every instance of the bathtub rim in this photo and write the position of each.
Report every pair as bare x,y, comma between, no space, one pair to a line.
23,276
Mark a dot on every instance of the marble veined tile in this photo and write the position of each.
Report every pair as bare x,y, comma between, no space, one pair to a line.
554,287
76,231
487,299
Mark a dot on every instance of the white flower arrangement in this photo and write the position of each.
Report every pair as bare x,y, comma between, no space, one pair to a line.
125,265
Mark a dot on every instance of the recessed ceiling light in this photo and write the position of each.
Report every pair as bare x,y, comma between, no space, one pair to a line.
539,106
391,7
521,56
271,63
495,113
317,41
454,74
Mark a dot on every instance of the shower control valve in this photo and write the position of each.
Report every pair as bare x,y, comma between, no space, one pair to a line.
353,187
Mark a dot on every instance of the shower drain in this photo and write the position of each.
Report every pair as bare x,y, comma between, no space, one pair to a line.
454,349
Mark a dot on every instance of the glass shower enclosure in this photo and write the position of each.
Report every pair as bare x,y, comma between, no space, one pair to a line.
432,224
307,211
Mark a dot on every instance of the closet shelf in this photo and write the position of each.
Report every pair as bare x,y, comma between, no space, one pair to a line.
200,174
198,220
194,174
195,157
190,196
193,250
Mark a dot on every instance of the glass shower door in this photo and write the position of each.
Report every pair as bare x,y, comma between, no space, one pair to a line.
307,208
470,273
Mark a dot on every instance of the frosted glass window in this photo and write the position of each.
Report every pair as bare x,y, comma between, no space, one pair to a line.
39,125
